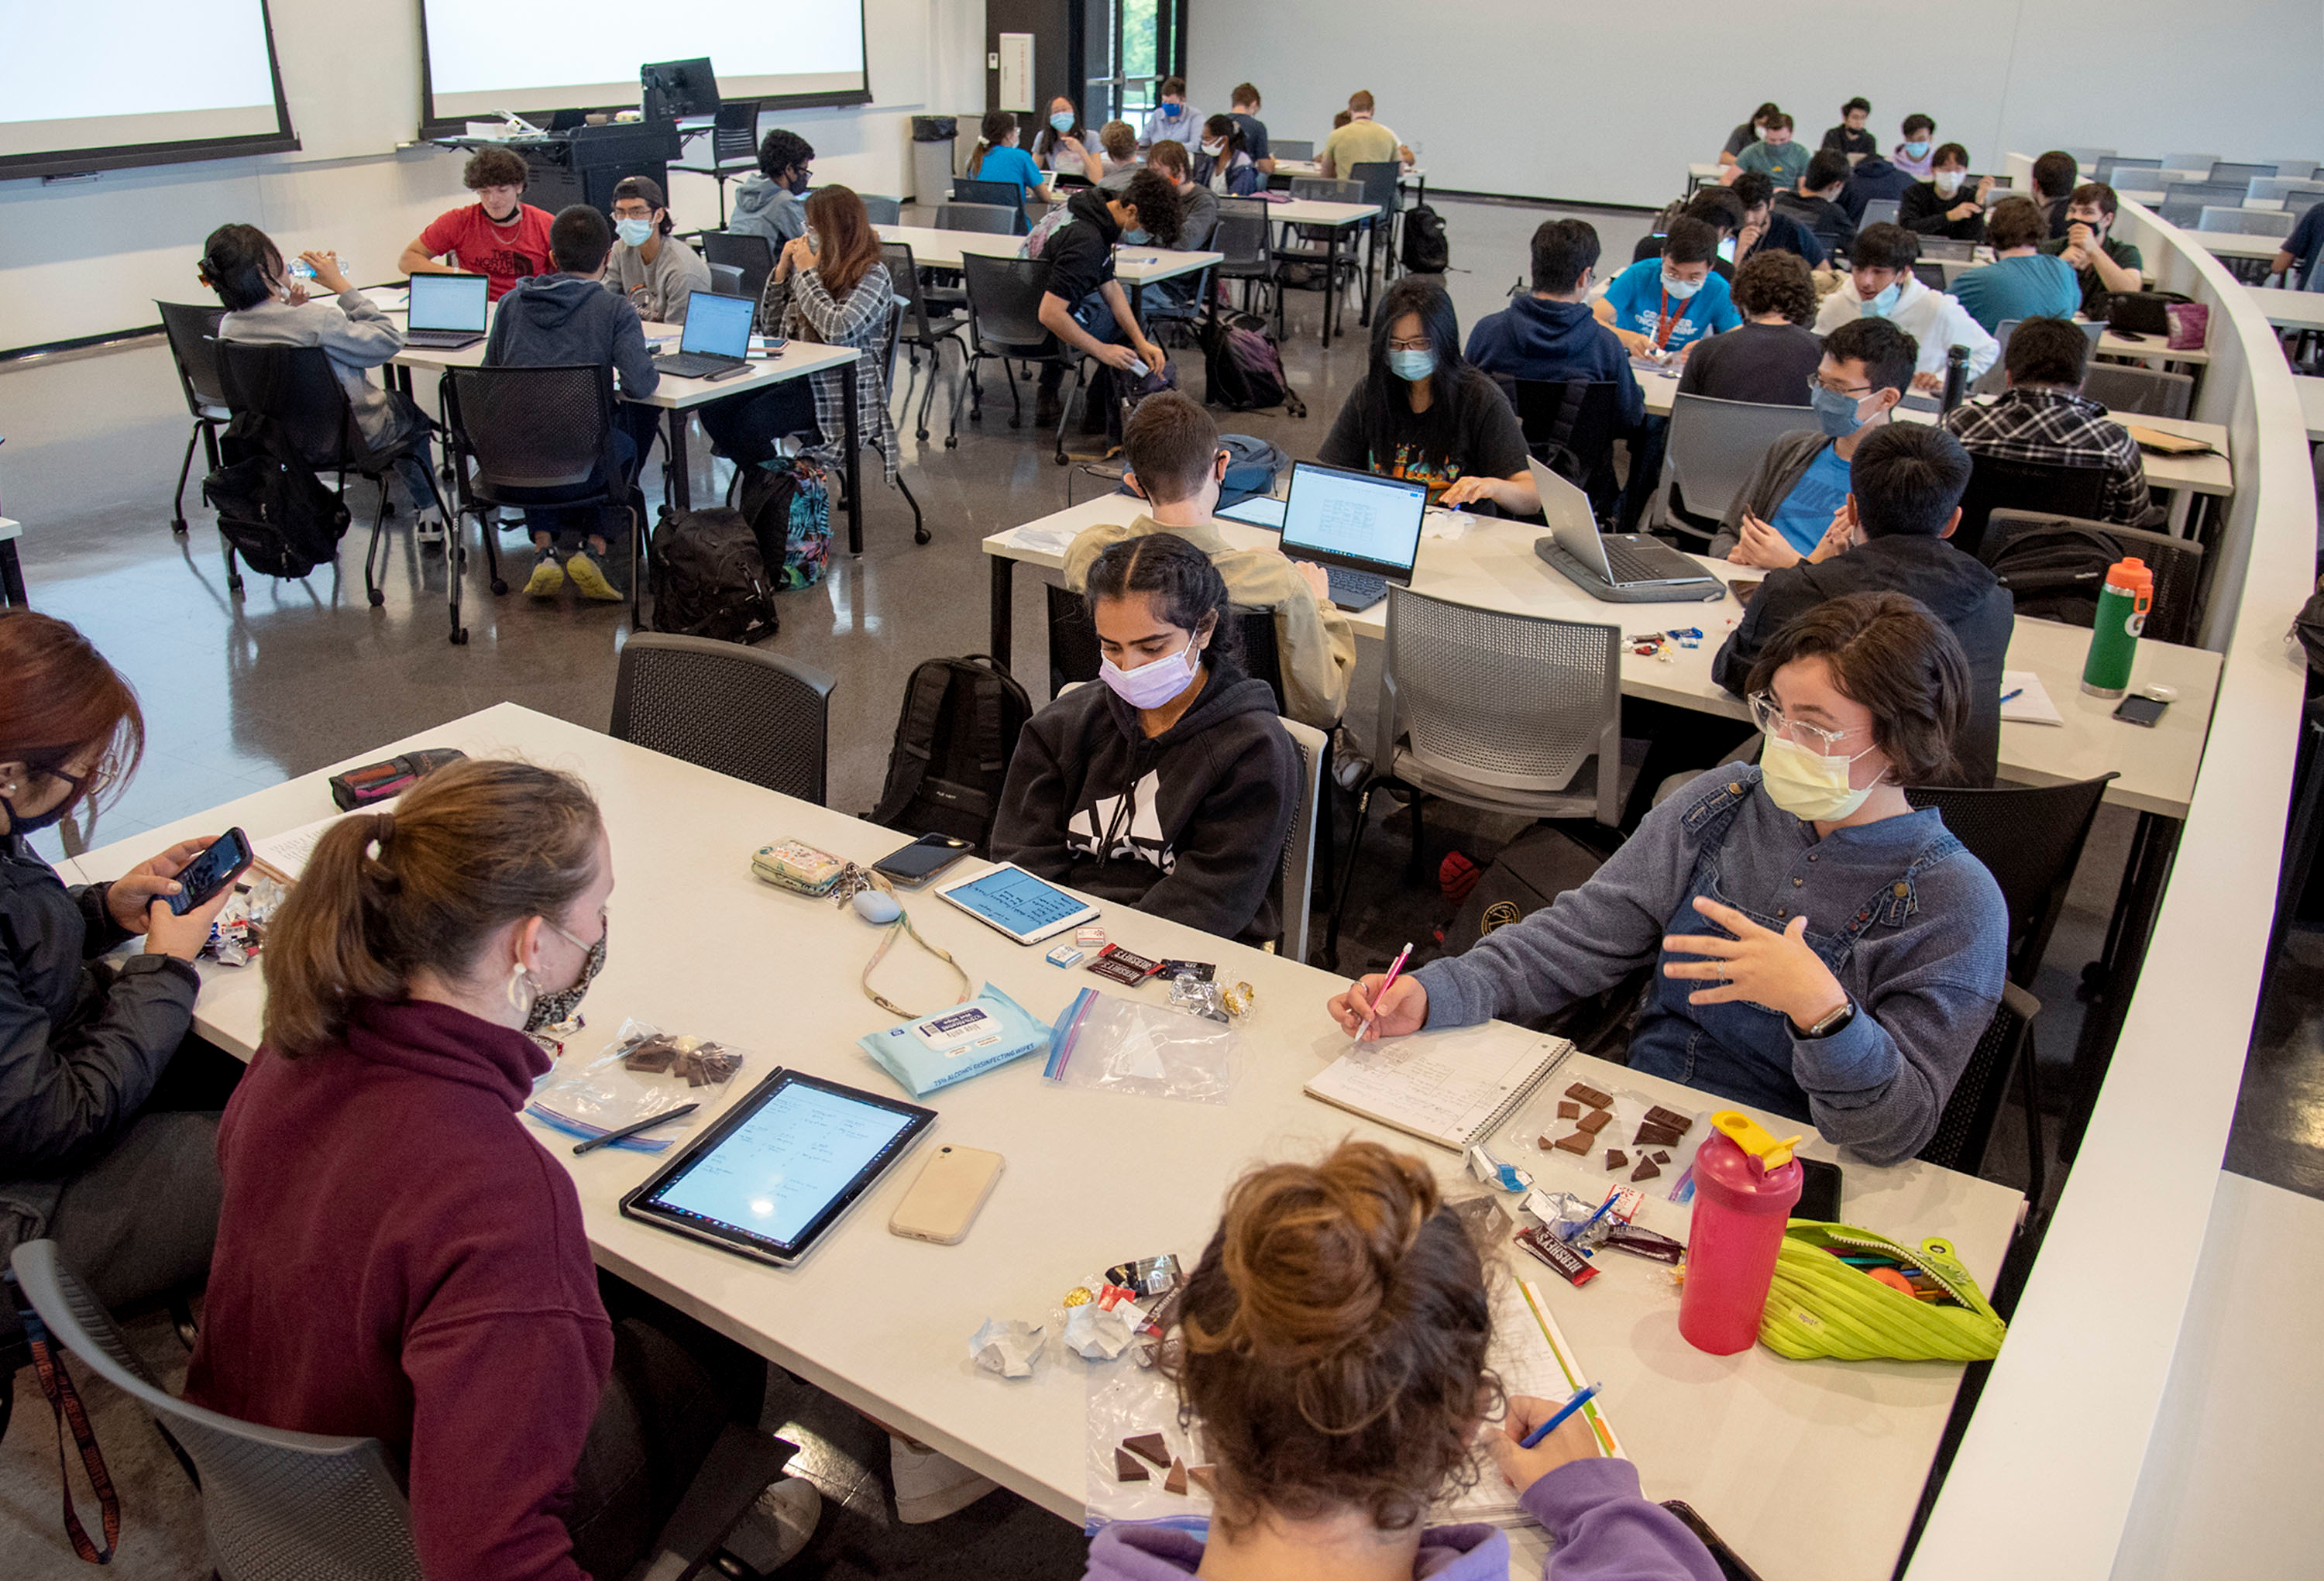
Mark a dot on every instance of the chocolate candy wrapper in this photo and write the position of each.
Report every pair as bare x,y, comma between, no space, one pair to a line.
1646,1243
1147,1276
1572,1265
1006,1346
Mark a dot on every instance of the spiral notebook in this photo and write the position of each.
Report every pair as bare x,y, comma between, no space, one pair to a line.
1449,1087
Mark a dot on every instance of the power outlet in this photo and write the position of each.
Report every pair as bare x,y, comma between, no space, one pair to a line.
992,61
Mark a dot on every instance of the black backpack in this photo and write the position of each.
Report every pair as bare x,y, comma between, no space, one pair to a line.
270,506
1425,251
1242,368
708,580
2055,573
959,729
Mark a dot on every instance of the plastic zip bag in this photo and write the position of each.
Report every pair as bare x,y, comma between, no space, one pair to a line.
1123,1403
603,1096
1120,1045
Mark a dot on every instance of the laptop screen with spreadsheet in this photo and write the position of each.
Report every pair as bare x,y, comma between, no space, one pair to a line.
720,325
1353,519
448,302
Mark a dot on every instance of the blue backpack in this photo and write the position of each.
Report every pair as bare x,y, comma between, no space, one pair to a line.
788,503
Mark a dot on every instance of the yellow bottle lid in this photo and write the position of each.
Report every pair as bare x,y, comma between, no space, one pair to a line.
1753,1138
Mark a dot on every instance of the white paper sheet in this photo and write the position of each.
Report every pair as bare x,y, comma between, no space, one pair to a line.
2032,703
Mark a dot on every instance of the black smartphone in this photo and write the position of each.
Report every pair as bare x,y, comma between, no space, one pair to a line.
921,860
2137,709
211,871
1731,1567
1818,1191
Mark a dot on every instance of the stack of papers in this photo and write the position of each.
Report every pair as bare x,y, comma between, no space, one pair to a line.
1049,540
2026,701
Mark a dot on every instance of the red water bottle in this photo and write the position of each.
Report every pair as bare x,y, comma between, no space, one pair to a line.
1746,1183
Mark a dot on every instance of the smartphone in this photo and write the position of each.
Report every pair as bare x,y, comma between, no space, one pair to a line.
1818,1191
944,1200
212,870
1730,1566
921,860
2136,710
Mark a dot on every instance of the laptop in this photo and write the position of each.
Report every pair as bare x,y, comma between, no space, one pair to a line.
717,339
1619,568
1363,529
447,310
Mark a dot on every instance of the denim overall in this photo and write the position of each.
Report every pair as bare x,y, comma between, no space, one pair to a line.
1740,1050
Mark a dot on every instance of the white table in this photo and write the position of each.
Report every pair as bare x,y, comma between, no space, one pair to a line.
12,571
883,1323
1135,267
2301,310
1493,566
2236,245
1336,218
2311,404
2151,349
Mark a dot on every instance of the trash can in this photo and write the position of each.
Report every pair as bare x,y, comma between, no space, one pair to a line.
934,140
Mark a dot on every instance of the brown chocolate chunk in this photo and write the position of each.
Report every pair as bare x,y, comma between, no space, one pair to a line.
1545,1141
1595,1121
1662,1155
1128,1467
1646,1170
1206,1477
1175,1483
1616,1158
1580,1142
1152,1446
1677,1122
1569,1110
1652,1136
1589,1095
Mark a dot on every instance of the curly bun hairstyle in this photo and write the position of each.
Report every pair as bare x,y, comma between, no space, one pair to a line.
1332,1342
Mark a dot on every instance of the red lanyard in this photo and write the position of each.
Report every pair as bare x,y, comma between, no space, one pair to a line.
1665,324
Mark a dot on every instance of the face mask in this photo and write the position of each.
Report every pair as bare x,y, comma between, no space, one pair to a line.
1949,182
1881,306
1061,122
1136,238
1214,148
1916,150
813,242
634,232
1808,785
1678,289
1835,411
34,823
1154,683
1412,366
550,1009
799,184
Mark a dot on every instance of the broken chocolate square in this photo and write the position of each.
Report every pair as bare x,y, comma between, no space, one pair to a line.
1569,1110
1589,1095
1662,1155
1652,1136
1616,1158
1646,1170
1175,1483
1545,1141
1128,1467
1595,1121
1152,1446
1579,1142
1677,1122
1206,1477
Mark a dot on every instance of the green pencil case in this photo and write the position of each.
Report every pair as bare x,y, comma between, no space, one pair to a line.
1818,1306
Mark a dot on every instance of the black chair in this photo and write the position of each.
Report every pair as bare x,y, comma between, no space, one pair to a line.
2148,392
1004,323
1930,274
192,330
746,251
742,711
1972,1113
539,436
1246,237
726,280
921,331
1074,655
2024,485
1382,182
733,148
297,390
882,211
896,306
2177,564
1570,427
1006,195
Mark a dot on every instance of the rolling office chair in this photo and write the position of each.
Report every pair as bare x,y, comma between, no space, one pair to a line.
733,148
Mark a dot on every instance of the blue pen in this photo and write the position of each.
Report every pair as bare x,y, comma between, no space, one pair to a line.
2012,696
1582,1397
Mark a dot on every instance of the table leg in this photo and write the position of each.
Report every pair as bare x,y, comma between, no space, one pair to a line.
854,460
1331,279
1004,573
2153,846
12,577
677,475
1366,318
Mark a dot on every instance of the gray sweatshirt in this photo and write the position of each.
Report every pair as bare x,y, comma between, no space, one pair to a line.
354,334
1926,975
660,290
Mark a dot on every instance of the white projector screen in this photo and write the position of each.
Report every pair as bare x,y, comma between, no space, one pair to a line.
483,56
96,84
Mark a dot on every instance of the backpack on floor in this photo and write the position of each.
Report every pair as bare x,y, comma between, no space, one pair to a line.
270,506
1530,873
2056,575
1243,367
788,503
708,580
1425,250
959,730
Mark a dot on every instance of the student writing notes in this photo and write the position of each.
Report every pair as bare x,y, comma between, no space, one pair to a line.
500,236
1332,1346
1243,110
1665,304
1820,948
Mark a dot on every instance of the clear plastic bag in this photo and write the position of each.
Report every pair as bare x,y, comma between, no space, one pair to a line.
1152,1050
1125,1402
604,1095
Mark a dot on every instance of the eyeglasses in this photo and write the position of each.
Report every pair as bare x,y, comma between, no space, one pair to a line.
1857,390
1771,719
632,209
1395,344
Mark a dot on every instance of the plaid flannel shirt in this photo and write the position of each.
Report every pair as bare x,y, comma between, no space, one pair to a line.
2059,429
802,309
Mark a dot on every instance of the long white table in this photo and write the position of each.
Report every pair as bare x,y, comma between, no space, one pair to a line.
2286,310
883,1323
1135,267
1337,219
2311,404
1492,565
2236,245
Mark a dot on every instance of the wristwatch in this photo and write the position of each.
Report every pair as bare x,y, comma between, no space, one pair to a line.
1831,1022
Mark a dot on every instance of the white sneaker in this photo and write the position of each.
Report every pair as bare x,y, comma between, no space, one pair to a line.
780,1524
428,529
928,1485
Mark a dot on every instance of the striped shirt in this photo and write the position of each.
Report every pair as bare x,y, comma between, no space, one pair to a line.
2056,428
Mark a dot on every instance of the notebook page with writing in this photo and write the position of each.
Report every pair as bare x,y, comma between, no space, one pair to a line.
1522,1355
1449,1087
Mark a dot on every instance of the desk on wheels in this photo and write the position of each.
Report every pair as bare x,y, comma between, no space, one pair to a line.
883,1323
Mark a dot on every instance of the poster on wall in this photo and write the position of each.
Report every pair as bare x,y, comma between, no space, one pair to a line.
1015,72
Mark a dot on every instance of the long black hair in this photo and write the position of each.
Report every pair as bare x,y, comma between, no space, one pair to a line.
1230,128
1384,393
1184,585
1048,136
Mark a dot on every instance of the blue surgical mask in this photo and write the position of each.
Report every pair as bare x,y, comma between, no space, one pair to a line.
1881,306
1135,238
1061,122
635,232
1916,150
1680,289
1412,366
1836,412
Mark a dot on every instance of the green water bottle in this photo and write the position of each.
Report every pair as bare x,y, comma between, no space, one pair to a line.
2123,603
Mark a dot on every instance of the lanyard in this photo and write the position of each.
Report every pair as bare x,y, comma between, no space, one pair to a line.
1665,323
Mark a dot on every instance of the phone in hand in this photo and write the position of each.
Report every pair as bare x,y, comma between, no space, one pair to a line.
221,862
944,1200
2137,709
921,860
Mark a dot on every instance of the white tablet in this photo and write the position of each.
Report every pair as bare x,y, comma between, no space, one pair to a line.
1010,899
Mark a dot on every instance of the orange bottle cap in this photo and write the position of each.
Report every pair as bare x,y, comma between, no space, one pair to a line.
2132,575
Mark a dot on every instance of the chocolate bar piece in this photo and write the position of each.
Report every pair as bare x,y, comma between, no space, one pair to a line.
1652,1136
1175,1483
1595,1121
1680,1123
1646,1169
1662,1155
1545,1141
1646,1243
1206,1477
1152,1447
1589,1096
1616,1158
1128,1467
1576,1268
1569,1110
1577,1142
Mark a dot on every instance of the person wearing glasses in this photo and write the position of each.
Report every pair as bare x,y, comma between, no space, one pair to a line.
1817,946
658,272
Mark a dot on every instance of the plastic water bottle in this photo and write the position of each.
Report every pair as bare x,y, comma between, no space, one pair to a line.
2123,603
1956,376
1746,1183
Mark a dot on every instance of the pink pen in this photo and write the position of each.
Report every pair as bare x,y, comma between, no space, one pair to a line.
1387,983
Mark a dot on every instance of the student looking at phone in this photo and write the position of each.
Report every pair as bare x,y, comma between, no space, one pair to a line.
1348,1292
1171,785
1820,948
108,1103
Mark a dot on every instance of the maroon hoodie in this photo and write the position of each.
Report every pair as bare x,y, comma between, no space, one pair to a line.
398,1257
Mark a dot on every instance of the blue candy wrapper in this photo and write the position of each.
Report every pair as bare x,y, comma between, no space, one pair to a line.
930,1051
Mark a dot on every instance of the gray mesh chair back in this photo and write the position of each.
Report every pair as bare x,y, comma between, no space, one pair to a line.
2113,167
744,250
2177,564
531,429
1379,180
736,710
904,279
1320,190
726,280
2295,192
276,1505
1245,237
1298,881
2189,162
1004,303
734,133
1499,710
982,217
1291,147
296,389
2030,838
1878,211
2227,194
1715,445
192,331
2247,222
2148,392
1965,1129
883,211
1006,195
2299,169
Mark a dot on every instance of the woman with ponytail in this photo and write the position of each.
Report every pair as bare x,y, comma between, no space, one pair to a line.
398,1257
1330,1353
996,158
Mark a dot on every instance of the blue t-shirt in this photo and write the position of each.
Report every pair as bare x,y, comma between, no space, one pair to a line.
1636,294
2044,286
2305,244
1010,164
1805,514
1254,134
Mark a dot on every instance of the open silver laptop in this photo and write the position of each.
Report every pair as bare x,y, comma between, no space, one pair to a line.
1619,568
446,312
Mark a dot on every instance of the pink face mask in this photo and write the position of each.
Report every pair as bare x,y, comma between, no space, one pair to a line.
1153,683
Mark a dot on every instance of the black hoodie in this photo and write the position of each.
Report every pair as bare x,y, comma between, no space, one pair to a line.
1209,805
1956,588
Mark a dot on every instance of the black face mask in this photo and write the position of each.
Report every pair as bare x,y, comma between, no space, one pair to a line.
34,823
